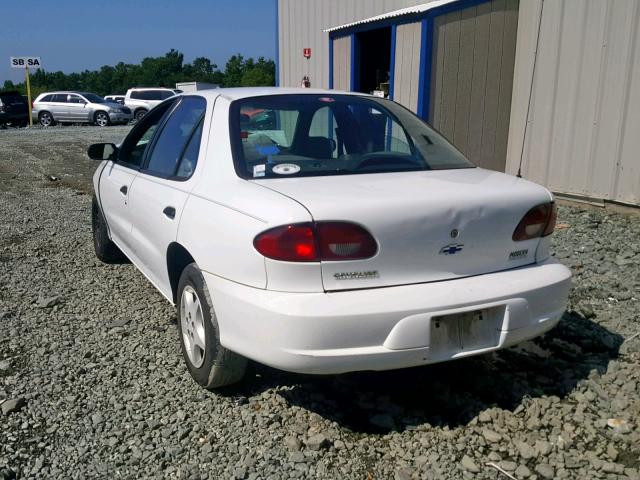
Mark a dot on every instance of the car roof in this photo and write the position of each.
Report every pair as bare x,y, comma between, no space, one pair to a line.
61,91
152,88
245,92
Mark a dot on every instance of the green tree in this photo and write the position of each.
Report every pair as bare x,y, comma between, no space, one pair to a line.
163,71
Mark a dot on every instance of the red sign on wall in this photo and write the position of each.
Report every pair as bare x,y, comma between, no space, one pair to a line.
306,52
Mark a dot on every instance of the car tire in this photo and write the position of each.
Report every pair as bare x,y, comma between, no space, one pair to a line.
106,250
46,119
210,364
139,114
101,119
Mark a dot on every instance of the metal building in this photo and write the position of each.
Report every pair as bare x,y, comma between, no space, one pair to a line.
548,88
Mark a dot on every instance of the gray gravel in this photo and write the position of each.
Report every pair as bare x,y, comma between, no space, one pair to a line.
92,383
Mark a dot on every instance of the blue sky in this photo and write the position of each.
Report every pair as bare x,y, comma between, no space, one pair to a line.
76,35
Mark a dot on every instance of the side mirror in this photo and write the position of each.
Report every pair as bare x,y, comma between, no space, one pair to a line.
102,151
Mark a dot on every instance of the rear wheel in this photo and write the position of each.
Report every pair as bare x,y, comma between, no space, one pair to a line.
46,119
209,363
106,250
102,119
139,114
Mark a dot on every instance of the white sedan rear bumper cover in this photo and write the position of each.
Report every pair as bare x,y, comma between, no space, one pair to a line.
383,328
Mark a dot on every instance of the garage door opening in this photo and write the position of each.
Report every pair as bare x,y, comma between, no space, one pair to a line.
374,60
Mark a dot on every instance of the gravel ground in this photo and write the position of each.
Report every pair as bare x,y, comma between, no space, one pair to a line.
92,383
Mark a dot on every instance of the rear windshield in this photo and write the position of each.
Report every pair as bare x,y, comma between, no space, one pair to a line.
311,135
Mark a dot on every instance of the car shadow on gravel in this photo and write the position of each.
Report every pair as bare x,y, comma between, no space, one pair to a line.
451,393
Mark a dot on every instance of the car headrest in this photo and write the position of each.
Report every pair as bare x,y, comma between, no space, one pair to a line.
317,147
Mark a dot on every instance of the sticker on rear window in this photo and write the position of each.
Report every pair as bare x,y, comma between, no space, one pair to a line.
286,168
258,171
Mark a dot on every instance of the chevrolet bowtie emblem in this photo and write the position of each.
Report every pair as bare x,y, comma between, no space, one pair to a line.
451,249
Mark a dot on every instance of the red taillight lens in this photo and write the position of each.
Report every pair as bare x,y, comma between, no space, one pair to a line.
292,243
537,222
309,242
344,241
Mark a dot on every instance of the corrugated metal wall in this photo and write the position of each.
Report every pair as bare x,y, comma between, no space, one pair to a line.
300,25
583,133
471,79
407,69
342,63
583,136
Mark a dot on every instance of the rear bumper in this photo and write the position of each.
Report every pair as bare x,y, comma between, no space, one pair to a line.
384,328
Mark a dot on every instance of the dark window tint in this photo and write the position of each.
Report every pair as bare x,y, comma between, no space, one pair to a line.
75,99
47,98
333,135
60,97
173,140
12,99
136,95
134,146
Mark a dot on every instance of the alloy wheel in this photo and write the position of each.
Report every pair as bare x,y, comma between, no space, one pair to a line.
102,120
192,326
45,120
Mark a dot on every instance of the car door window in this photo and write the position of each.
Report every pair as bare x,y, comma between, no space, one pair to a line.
133,148
60,98
173,140
75,99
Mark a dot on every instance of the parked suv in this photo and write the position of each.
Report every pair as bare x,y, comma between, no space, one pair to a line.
14,109
78,107
141,100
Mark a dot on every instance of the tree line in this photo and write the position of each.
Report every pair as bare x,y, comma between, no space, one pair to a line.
164,71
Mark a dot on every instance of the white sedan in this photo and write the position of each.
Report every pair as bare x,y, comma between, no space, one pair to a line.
323,232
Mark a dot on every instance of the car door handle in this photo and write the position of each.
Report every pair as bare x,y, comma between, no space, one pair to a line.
170,212
124,189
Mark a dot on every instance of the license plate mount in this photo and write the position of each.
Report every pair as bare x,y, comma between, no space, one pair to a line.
465,331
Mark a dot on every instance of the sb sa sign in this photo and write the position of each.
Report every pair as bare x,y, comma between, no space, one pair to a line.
22,62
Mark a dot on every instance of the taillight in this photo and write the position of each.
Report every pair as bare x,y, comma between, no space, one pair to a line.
540,221
315,242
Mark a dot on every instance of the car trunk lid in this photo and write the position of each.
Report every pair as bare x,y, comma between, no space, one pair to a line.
429,225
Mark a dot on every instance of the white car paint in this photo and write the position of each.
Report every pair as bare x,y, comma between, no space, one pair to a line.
299,316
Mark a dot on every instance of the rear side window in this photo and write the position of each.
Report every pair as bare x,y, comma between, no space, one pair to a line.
136,95
47,98
178,139
60,97
12,100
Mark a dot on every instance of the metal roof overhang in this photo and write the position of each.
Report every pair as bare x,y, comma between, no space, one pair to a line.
410,12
